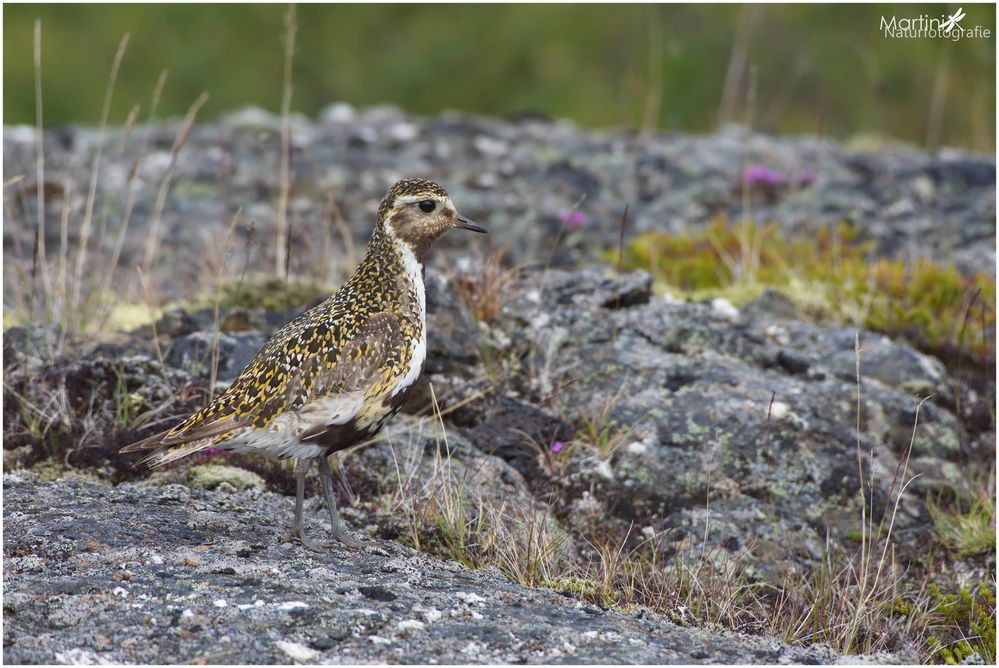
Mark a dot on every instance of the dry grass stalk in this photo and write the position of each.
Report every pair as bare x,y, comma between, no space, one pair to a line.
336,217
216,320
487,288
284,191
82,250
152,241
40,259
130,194
654,90
152,310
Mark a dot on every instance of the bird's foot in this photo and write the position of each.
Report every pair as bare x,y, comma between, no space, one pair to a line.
343,539
306,542
315,545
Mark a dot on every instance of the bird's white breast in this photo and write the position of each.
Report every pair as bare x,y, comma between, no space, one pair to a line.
414,275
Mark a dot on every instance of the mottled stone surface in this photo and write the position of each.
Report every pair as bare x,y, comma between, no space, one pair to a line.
148,574
753,412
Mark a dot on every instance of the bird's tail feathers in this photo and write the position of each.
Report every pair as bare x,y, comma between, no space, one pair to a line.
178,442
169,453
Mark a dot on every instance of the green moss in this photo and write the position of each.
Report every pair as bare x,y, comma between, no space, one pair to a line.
970,615
899,606
584,588
830,277
127,317
259,292
210,476
49,469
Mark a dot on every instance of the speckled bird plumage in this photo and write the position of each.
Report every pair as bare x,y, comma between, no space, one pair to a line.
333,376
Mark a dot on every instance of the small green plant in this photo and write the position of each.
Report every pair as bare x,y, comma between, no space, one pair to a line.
604,435
598,428
44,418
122,400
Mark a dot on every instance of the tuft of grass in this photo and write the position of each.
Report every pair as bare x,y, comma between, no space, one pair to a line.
528,547
41,417
697,586
447,515
968,529
831,276
597,426
603,433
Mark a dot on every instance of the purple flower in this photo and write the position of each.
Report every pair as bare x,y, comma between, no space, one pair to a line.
557,447
761,175
572,219
806,177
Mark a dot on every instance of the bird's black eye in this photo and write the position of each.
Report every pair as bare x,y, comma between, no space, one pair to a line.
427,205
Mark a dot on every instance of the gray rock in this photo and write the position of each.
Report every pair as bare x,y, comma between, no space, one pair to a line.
758,415
454,343
194,352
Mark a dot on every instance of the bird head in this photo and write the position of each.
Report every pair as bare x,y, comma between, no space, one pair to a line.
417,211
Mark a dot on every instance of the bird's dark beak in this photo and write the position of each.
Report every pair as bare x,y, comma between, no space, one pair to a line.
466,224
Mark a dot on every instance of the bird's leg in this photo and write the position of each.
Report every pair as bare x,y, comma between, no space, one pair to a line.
298,529
336,523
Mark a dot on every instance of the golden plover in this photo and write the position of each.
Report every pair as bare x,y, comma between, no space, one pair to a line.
334,375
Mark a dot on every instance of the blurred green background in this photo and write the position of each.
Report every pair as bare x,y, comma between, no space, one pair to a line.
782,68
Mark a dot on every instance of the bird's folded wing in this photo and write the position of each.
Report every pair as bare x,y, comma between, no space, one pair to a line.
364,365
363,359
292,379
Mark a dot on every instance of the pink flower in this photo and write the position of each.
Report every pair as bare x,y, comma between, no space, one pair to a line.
806,177
761,175
572,219
557,447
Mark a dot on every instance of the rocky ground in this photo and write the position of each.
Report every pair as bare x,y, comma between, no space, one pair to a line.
619,416
164,574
